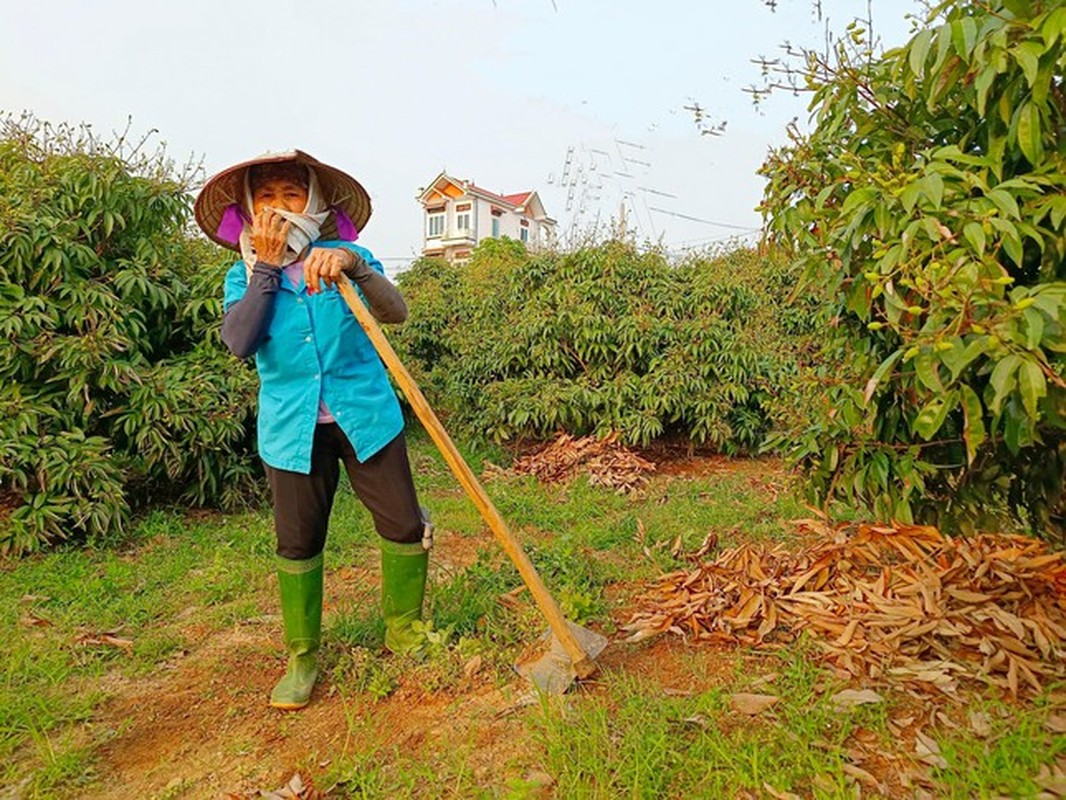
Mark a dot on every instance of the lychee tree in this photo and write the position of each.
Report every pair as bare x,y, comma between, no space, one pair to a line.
926,207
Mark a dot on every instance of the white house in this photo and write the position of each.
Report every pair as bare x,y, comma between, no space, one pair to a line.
459,215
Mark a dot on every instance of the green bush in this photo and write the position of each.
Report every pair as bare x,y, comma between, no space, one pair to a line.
926,209
114,386
604,339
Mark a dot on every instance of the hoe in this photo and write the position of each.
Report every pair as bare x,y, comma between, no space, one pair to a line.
569,650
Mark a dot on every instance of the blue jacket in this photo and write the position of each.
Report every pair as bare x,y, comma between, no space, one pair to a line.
315,347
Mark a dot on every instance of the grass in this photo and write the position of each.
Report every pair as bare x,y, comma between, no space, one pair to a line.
634,741
1005,761
172,566
179,578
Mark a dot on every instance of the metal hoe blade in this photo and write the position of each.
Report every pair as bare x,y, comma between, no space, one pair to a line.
549,668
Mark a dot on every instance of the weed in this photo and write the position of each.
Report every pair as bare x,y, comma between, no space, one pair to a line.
1007,760
361,627
359,671
64,765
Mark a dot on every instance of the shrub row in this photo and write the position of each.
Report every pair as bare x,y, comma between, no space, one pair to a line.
114,387
606,338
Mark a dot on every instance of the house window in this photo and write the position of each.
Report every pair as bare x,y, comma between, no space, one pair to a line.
462,217
495,226
523,234
435,225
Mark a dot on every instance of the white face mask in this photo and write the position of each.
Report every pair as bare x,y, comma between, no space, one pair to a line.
304,228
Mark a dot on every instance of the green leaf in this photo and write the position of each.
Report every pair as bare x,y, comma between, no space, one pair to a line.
1012,242
1013,247
857,198
925,367
1003,381
933,188
878,376
1058,211
1017,428
997,148
919,49
1053,27
964,34
933,414
953,154
982,83
1034,325
943,46
819,201
1033,386
975,235
889,260
1027,54
1019,8
909,196
1029,136
973,426
958,358
1005,202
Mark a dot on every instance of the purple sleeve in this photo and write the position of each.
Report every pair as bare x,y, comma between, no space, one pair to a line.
245,324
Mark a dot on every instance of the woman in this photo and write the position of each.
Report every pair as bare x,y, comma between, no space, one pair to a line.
324,397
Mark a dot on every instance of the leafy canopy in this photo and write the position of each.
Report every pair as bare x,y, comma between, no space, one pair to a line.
926,208
603,339
114,387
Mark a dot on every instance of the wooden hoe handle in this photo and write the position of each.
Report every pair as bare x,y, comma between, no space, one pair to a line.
582,663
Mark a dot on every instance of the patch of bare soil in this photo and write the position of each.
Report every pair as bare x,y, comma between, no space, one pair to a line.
200,726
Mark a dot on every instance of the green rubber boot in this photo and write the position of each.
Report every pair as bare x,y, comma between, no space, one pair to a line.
301,608
403,587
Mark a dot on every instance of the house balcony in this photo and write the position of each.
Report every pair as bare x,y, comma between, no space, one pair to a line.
458,236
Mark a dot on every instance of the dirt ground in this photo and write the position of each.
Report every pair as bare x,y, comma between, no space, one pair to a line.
201,728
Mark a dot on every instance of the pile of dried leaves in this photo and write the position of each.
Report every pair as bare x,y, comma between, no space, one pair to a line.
902,603
605,461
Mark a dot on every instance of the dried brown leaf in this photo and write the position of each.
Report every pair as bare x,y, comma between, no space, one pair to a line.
928,751
859,774
850,698
752,704
779,794
1056,723
980,723
31,620
472,666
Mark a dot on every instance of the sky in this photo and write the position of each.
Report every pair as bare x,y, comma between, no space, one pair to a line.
583,101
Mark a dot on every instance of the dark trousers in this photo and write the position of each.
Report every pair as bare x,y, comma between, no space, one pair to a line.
383,483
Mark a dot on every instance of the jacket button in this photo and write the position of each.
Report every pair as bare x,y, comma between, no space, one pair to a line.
307,338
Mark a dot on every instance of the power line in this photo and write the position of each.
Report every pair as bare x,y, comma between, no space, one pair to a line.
704,221
689,244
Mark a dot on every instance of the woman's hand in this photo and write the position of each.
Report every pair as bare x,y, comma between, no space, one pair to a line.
270,232
326,265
